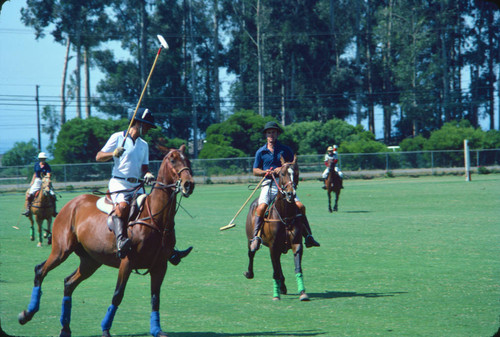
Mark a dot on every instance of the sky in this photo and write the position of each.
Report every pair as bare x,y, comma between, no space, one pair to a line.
26,62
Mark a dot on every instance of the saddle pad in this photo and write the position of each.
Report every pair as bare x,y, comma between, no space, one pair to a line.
106,207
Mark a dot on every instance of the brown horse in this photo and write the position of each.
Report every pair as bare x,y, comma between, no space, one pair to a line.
81,228
281,231
42,208
333,184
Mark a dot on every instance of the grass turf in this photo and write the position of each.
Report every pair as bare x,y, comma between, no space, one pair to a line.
402,257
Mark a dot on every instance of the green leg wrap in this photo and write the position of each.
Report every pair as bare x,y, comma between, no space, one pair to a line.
300,282
276,288
32,233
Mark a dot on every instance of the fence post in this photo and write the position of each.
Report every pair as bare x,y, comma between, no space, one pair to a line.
467,160
432,162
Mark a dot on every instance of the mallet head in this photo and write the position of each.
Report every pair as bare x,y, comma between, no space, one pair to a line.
163,42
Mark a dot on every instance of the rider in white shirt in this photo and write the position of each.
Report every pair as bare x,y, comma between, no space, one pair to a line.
331,155
131,162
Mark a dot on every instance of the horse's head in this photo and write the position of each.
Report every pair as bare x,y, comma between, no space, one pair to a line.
288,179
46,186
176,169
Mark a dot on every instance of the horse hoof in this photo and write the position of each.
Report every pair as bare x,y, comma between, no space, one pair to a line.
49,240
304,297
32,238
105,333
65,332
276,299
39,244
248,275
24,317
161,334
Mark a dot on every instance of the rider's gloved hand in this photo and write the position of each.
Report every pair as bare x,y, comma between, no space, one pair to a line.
118,152
149,178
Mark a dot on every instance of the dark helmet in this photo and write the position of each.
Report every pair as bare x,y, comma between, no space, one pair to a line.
272,125
144,116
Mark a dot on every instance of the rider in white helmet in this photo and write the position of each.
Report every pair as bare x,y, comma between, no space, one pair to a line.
331,155
42,169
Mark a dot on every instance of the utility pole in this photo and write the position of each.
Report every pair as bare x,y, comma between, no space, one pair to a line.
38,119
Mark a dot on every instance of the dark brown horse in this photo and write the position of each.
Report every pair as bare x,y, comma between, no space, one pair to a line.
281,231
81,228
42,208
333,184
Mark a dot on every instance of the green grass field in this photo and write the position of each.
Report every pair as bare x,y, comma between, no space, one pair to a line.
402,257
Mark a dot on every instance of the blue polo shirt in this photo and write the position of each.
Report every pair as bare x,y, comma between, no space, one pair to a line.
39,170
265,159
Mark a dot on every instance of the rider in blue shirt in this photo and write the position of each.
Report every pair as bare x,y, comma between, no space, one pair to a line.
267,163
42,169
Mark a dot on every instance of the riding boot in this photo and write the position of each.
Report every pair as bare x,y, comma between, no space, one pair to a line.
256,241
176,257
123,243
309,240
324,184
29,201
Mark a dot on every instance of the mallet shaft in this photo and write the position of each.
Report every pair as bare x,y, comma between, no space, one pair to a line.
231,224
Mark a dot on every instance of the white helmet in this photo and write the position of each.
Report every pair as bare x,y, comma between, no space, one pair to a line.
42,155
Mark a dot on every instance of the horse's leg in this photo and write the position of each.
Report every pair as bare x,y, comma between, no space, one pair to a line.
335,208
249,273
329,201
278,278
121,283
157,276
297,259
48,232
39,222
32,228
87,267
56,257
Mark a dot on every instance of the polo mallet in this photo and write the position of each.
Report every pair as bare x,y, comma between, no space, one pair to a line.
163,45
231,223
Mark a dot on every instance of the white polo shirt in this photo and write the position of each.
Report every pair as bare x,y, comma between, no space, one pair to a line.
136,154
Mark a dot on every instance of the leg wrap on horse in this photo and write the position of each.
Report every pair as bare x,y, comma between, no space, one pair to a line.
276,288
66,311
108,319
34,305
155,323
300,282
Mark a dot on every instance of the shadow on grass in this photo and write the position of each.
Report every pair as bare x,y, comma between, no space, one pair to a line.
305,333
340,294
357,211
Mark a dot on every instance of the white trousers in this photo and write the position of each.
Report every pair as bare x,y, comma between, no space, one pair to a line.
327,170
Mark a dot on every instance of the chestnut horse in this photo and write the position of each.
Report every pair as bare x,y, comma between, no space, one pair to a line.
42,208
281,231
81,228
333,184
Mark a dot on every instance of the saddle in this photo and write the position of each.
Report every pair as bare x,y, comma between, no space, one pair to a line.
105,205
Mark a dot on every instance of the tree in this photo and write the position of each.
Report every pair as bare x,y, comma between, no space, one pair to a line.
80,139
83,23
49,116
22,153
241,131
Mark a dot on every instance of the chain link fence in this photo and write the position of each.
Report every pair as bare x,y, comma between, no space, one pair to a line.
240,169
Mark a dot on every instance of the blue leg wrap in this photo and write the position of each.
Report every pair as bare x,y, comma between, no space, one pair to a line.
108,319
66,311
34,305
155,323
